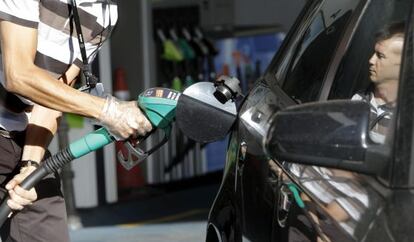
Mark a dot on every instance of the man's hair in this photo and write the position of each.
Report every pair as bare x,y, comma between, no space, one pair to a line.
391,30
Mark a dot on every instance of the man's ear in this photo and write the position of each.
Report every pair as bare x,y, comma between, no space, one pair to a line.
397,43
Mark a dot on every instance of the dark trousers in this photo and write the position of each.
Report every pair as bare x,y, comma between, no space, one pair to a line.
45,219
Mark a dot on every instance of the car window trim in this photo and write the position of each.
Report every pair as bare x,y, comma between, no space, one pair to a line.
294,37
402,172
341,49
284,60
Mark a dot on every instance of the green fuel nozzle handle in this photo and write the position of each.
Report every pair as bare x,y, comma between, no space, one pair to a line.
90,142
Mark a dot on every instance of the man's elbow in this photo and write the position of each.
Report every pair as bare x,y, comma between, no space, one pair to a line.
15,80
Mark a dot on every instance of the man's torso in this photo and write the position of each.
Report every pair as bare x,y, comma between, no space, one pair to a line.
57,47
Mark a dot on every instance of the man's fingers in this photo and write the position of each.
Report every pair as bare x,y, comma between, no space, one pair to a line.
13,205
27,194
18,199
138,126
17,179
11,184
139,123
144,125
144,122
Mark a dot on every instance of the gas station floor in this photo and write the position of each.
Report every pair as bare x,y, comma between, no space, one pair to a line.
171,232
167,214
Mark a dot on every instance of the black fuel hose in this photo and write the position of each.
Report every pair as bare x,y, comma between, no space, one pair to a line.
48,166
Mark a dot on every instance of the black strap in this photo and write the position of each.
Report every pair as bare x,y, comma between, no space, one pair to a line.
91,80
25,163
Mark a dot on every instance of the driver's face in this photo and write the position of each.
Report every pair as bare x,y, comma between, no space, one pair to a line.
386,61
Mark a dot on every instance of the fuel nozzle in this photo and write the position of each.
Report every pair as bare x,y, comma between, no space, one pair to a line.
158,105
227,88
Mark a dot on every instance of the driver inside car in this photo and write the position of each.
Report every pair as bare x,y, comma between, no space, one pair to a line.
384,73
384,70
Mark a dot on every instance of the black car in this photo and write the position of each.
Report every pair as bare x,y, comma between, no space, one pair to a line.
301,162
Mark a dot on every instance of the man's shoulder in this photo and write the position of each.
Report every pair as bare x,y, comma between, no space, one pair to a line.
21,12
361,96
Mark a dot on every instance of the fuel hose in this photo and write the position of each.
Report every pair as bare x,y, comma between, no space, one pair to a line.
81,147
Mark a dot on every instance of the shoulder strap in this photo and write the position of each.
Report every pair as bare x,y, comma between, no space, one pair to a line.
91,80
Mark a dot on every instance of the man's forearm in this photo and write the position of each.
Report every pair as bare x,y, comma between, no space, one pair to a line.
40,131
40,87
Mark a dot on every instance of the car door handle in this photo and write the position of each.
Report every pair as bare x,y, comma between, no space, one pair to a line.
285,200
283,204
242,151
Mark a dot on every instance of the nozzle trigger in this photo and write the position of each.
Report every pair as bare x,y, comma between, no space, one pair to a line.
134,155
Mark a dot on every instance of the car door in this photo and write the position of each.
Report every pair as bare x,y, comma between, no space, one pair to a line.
296,75
325,204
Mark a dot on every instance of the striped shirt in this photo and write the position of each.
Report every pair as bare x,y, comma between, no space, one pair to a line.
57,46
380,117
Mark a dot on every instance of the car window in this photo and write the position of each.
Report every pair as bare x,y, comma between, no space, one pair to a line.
370,68
353,73
307,70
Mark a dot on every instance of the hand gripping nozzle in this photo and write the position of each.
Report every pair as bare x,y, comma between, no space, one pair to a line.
158,105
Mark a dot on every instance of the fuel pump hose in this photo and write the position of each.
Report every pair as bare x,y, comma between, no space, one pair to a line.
79,148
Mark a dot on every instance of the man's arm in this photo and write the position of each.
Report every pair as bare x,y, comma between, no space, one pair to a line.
19,44
42,126
23,77
43,123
